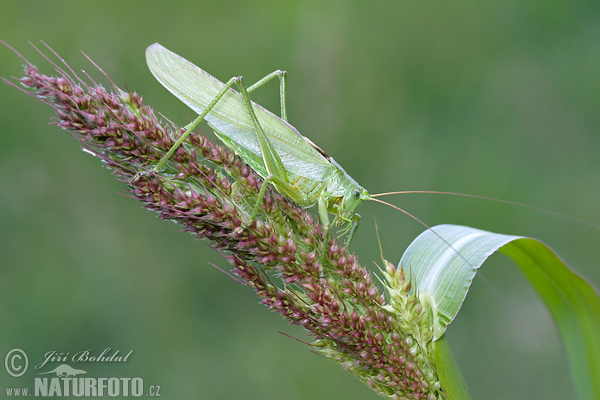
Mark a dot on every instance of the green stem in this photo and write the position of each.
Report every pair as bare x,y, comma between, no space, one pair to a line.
453,384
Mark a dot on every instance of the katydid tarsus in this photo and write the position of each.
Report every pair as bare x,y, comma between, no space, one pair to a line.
293,164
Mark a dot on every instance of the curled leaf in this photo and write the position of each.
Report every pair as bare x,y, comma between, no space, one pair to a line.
442,271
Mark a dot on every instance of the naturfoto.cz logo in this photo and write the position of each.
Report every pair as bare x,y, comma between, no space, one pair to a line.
65,379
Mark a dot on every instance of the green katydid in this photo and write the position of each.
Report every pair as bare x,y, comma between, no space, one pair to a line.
295,166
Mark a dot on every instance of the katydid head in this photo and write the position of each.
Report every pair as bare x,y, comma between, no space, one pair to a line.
353,198
346,207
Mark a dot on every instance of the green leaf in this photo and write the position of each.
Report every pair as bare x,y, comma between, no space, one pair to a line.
442,271
451,380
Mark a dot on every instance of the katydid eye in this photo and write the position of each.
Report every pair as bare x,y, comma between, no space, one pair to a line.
356,193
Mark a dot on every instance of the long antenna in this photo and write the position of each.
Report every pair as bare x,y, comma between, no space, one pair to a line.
480,274
425,225
514,203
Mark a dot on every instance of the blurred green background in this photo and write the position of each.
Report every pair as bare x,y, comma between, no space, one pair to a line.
499,99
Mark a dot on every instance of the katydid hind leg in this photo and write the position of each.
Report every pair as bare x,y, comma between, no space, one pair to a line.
272,161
